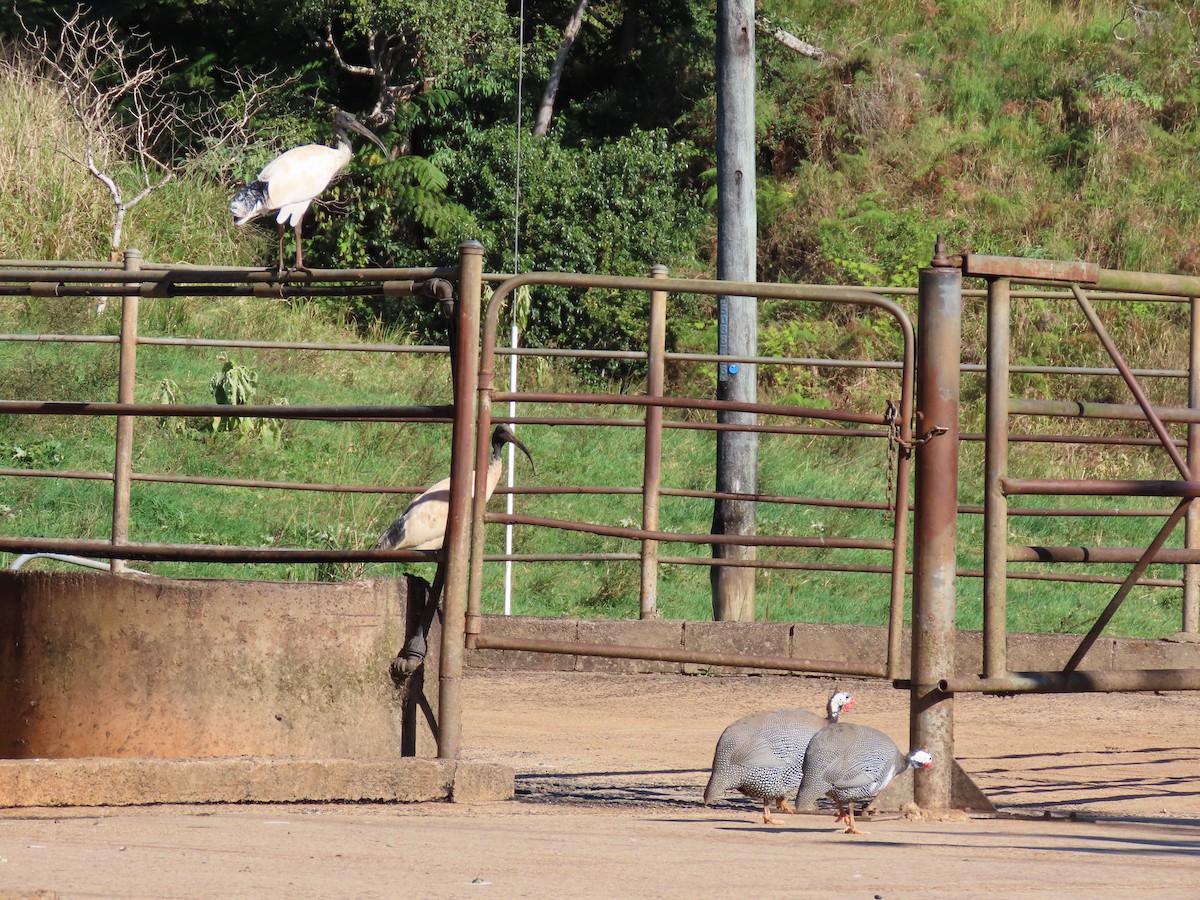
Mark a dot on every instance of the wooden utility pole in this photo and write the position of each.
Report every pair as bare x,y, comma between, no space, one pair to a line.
737,317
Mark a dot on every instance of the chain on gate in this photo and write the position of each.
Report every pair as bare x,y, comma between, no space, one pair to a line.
891,418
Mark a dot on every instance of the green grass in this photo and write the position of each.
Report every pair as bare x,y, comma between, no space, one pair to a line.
1017,128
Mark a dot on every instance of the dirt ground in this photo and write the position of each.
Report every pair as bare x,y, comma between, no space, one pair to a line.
1099,795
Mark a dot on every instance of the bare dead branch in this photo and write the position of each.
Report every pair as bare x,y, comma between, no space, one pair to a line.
339,60
789,40
137,136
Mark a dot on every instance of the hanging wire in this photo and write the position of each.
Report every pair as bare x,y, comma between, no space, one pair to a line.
514,340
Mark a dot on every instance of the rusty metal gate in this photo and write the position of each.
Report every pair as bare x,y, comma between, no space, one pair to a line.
1000,273
463,619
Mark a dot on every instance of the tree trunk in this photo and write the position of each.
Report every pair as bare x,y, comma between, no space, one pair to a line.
546,110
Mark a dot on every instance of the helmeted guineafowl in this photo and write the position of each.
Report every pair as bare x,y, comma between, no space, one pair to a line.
761,755
852,763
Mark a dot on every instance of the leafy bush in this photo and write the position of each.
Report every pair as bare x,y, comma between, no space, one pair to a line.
614,208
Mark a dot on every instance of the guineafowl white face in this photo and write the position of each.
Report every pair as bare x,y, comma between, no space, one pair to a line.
839,702
921,759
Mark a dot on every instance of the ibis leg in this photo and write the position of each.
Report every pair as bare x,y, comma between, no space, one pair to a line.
299,248
279,229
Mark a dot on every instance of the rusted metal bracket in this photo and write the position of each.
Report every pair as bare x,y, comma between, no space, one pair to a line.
983,266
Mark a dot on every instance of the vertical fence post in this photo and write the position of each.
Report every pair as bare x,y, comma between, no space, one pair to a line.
126,379
995,503
939,340
652,463
465,343
1191,573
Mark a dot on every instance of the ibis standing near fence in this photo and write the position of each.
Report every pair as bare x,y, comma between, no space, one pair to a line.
422,526
291,181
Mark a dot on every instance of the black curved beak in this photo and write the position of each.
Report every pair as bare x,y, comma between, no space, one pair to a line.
504,435
371,136
514,440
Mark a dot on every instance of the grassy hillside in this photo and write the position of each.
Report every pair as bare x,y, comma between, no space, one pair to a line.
933,119
1061,130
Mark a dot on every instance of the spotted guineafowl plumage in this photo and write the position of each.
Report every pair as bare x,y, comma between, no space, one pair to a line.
850,764
762,754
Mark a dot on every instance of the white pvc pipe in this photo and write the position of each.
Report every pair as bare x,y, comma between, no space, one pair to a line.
512,457
512,372
20,561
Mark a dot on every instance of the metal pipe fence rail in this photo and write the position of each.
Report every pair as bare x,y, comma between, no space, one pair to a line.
158,280
134,280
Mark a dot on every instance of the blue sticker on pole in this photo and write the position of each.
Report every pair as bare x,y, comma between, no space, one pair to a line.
724,369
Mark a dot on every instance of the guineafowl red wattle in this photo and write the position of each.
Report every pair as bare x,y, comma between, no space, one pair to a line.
761,755
851,763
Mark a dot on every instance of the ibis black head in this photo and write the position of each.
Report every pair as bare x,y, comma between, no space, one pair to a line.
504,435
344,122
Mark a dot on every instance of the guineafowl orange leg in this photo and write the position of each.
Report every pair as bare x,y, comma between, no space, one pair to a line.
841,816
850,829
767,820
784,806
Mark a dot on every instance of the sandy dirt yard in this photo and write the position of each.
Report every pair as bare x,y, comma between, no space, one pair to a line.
1099,796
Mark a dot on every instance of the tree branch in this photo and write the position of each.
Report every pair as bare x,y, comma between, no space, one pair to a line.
789,40
114,85
339,60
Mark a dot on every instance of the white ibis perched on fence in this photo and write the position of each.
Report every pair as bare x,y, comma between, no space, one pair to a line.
291,181
422,526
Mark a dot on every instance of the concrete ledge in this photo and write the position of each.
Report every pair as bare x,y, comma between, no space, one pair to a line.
839,642
657,633
761,638
540,628
801,640
137,782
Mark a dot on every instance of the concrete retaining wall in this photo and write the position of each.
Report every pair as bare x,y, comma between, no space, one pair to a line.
121,690
94,665
1026,652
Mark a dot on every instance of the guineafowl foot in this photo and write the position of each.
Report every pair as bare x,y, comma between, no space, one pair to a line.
767,820
850,829
784,806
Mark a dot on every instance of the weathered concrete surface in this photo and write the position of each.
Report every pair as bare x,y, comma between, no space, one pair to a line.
130,690
763,638
96,665
137,782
